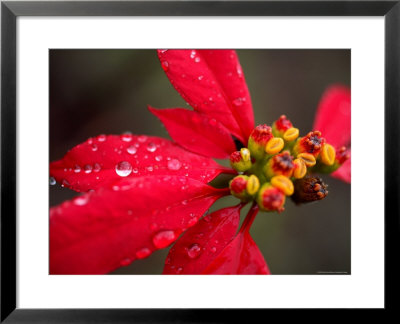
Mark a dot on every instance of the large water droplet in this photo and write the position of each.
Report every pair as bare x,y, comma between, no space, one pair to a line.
132,149
163,239
174,164
143,253
151,147
123,169
194,251
88,168
52,181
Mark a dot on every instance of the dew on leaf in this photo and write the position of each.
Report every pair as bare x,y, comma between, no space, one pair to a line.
165,66
143,253
194,251
96,167
101,138
123,169
80,201
174,164
151,147
126,137
125,262
142,138
163,239
131,149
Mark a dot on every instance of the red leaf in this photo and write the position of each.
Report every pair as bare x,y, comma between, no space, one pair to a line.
333,117
212,82
103,230
344,172
197,132
201,244
129,154
241,256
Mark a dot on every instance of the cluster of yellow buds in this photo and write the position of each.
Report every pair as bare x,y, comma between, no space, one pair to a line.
278,163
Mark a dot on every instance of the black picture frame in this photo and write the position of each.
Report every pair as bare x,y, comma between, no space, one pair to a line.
10,10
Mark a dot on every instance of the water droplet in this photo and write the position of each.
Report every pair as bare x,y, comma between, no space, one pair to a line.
197,59
142,138
77,169
163,239
165,65
135,170
88,168
123,169
179,270
239,70
126,137
151,147
192,54
200,77
96,167
194,251
184,202
158,158
174,164
238,101
143,253
213,249
131,149
149,168
52,181
94,147
125,262
192,222
101,138
80,201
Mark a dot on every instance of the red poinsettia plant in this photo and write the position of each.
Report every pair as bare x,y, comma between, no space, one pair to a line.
142,193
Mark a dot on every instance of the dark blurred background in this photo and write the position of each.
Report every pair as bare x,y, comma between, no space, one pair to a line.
96,92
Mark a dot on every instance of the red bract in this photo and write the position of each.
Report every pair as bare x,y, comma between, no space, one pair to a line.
143,193
333,119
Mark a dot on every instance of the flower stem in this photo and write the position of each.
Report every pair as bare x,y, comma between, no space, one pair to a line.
251,215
